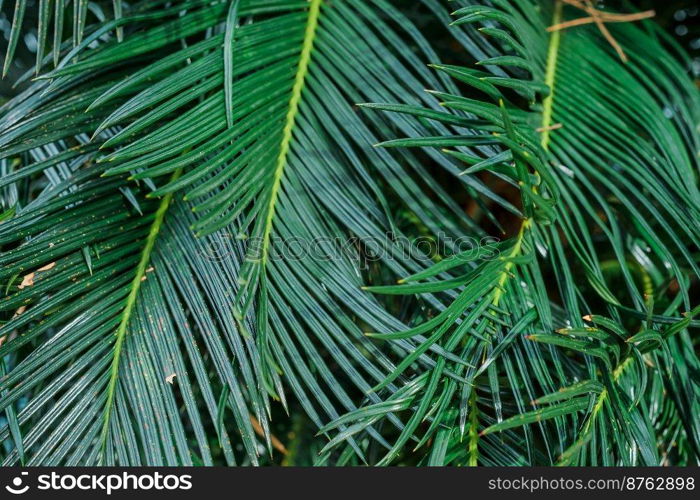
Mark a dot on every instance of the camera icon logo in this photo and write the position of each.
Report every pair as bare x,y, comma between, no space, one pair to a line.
16,488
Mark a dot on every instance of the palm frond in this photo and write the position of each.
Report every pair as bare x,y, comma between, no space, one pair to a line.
612,173
152,107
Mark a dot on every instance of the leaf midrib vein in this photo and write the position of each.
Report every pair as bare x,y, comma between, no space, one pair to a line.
290,120
129,307
547,105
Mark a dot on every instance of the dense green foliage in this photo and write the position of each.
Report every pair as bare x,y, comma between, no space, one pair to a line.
164,158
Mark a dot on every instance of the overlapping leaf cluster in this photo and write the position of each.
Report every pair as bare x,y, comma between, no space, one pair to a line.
155,171
596,384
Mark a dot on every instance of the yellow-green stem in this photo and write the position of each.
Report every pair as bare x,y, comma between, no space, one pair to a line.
509,265
550,74
547,103
295,99
473,430
604,395
600,401
129,307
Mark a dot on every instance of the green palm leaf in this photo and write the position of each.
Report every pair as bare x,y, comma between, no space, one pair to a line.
175,178
166,116
601,171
